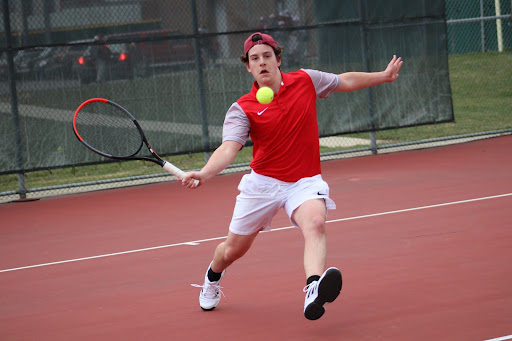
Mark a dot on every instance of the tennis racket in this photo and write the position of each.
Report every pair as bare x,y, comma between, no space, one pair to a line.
111,131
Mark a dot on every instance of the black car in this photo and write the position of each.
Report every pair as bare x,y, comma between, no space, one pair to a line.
59,63
118,66
152,52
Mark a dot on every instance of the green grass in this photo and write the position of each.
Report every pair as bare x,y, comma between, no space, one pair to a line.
97,172
481,94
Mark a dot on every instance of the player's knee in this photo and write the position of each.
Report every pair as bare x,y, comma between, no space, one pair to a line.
231,254
314,226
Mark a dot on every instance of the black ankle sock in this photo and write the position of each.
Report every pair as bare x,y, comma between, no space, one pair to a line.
312,279
213,276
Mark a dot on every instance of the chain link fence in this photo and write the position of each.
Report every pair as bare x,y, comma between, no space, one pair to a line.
176,61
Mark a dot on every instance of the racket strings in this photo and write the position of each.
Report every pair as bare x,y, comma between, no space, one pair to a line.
108,129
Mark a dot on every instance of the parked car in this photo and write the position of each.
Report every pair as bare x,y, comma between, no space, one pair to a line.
118,64
59,64
45,54
154,49
134,54
129,60
25,60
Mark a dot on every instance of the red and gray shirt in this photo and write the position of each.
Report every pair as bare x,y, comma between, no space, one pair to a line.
284,132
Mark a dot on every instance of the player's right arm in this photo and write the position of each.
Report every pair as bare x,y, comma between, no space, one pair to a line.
235,132
220,159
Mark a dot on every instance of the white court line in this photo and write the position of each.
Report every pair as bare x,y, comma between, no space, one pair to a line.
196,242
409,209
508,337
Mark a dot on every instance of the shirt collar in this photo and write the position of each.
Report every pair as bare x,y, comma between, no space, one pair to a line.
286,80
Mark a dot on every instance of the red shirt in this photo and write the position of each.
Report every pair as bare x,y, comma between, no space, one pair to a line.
285,131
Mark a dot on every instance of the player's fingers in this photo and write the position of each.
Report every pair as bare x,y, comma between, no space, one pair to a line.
186,179
190,181
395,60
399,66
195,184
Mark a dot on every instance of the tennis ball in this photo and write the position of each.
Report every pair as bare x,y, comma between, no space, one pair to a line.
265,95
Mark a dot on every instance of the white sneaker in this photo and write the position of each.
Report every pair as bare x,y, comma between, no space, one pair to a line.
210,295
325,290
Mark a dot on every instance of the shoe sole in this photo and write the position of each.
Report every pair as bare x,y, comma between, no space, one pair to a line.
328,290
209,309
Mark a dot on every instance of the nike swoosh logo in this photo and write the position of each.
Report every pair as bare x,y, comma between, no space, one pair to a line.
261,112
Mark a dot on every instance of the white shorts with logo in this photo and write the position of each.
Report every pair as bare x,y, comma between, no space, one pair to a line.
261,197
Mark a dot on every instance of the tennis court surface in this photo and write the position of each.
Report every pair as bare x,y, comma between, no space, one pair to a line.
423,239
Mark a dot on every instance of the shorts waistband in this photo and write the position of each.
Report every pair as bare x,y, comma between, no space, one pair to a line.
272,180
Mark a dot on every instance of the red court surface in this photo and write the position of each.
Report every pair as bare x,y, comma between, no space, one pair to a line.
423,239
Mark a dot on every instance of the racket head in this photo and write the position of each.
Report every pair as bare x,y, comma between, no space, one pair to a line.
108,129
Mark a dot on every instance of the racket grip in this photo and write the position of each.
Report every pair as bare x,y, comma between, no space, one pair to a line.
176,171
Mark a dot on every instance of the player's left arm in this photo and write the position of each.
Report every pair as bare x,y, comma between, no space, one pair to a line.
351,81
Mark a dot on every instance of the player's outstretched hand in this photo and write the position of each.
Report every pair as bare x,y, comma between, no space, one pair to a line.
393,68
192,180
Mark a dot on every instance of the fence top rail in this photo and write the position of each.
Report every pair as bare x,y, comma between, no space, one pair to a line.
465,20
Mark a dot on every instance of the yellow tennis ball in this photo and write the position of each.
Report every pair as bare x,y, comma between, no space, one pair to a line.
265,95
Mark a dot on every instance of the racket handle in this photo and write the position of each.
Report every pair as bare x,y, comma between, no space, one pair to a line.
176,171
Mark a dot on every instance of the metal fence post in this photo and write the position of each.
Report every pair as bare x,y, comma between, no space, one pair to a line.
366,59
482,25
14,102
499,27
373,142
47,22
200,82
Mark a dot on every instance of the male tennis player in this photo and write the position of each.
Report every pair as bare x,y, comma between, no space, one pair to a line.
285,166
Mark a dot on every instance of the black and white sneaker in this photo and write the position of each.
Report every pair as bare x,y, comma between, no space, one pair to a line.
325,290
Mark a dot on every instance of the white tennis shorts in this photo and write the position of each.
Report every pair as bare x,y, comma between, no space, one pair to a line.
261,197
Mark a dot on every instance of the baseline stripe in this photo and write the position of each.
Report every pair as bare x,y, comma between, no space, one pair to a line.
408,210
508,337
196,242
423,207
